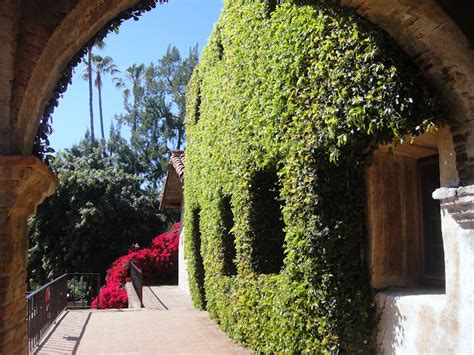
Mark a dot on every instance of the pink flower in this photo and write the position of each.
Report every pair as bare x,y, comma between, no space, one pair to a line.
158,262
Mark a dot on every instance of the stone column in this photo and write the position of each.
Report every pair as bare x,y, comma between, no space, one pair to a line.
24,183
458,205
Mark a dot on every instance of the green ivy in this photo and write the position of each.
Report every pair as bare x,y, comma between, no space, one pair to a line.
308,91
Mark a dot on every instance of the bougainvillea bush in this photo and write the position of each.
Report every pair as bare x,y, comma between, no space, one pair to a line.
288,102
158,262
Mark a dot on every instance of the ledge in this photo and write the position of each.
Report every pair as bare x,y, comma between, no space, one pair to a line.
133,300
25,182
29,161
459,202
409,318
412,292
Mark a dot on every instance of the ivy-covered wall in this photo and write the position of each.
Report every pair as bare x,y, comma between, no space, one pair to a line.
283,113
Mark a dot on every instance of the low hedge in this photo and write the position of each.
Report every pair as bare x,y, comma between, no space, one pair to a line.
283,112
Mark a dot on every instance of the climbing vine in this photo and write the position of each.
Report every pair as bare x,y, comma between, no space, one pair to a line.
306,90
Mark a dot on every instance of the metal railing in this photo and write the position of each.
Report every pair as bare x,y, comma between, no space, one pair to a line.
49,301
44,306
137,281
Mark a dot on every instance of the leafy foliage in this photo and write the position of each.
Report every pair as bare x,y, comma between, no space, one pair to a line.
307,91
154,101
97,212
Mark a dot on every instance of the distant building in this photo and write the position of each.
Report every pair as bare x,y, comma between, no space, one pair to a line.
172,197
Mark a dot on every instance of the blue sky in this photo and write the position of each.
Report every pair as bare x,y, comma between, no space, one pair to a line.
182,23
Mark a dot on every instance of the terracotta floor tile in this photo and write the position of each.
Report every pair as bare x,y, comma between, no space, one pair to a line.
179,330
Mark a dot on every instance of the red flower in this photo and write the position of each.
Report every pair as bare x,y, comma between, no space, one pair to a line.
159,263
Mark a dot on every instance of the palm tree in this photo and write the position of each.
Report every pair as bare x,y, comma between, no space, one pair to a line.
88,76
101,67
134,76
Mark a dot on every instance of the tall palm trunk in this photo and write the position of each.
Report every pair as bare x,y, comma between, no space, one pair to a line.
135,109
91,106
180,138
99,89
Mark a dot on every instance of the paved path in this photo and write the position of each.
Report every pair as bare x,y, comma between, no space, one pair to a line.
165,298
179,330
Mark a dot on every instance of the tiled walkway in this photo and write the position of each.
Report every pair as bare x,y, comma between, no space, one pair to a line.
165,298
180,329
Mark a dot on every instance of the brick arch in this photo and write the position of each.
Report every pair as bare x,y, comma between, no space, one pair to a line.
421,27
427,34
442,52
79,25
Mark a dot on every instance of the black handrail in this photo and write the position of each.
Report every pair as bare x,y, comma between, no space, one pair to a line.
46,304
137,281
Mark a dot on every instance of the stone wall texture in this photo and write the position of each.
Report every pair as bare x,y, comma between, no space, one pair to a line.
443,53
24,183
8,19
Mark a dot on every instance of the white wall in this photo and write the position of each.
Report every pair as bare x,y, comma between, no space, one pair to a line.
428,321
182,269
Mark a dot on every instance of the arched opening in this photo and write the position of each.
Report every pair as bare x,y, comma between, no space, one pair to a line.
146,83
65,76
420,29
197,265
228,237
266,223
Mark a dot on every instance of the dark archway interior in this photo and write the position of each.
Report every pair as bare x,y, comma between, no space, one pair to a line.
461,11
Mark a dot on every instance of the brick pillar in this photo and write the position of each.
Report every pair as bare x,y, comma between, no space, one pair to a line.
24,183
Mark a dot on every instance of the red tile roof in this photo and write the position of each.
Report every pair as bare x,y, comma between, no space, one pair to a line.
172,195
177,162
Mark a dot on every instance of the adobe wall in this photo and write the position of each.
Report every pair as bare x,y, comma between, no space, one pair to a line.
8,31
182,267
24,183
39,38
416,318
443,53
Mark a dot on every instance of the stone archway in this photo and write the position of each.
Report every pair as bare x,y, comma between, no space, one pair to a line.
39,42
54,51
426,33
415,321
40,39
441,50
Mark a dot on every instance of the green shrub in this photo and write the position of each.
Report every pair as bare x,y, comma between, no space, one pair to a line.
228,238
284,110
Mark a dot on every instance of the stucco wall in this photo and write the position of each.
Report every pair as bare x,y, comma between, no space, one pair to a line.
36,47
416,319
182,269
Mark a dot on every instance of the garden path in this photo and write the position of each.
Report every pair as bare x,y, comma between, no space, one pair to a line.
181,329
165,298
